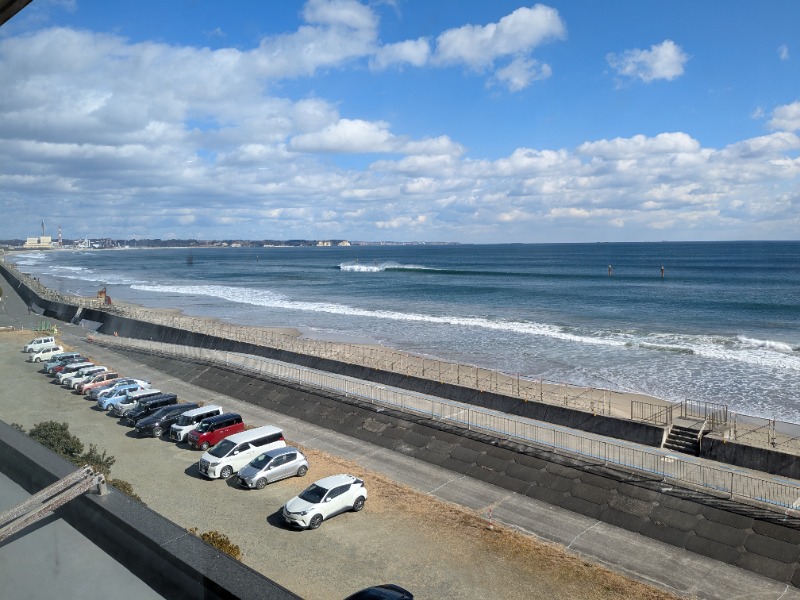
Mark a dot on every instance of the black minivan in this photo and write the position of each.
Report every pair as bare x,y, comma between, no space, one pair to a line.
161,420
150,405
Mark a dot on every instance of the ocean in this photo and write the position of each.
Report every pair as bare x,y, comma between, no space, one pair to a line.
722,324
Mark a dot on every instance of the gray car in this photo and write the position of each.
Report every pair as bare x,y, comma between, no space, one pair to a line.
272,466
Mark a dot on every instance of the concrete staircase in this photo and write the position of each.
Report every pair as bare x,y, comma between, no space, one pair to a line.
684,436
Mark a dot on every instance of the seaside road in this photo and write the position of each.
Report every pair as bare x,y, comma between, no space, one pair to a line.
642,558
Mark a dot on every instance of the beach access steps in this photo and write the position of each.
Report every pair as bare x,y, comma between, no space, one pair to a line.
685,436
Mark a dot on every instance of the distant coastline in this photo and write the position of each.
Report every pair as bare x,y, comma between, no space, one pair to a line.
189,244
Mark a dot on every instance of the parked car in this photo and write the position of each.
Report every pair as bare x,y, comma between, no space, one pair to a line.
58,357
83,375
148,406
212,430
387,591
105,401
324,499
160,421
235,451
130,401
272,466
39,343
59,366
191,419
101,380
109,389
44,354
72,368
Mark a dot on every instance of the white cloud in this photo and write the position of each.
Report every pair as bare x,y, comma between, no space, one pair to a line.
662,61
345,13
640,145
783,52
786,117
410,52
346,135
477,46
520,72
338,31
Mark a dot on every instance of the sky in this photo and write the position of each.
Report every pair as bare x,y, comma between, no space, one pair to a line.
402,120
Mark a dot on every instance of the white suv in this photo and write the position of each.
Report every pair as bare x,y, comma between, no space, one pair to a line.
235,451
324,499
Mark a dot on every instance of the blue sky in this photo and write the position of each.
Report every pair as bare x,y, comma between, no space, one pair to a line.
402,120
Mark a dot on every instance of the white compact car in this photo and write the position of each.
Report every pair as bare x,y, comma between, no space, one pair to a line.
44,353
324,499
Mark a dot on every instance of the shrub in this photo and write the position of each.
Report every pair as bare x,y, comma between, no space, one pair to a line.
220,541
100,463
57,437
126,488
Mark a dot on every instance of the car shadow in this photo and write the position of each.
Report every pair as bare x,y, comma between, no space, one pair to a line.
193,471
276,520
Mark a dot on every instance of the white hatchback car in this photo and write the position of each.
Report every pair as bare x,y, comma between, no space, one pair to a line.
324,499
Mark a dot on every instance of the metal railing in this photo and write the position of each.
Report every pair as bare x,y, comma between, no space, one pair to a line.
647,412
733,482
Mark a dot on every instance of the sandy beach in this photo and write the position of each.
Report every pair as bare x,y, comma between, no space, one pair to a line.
595,400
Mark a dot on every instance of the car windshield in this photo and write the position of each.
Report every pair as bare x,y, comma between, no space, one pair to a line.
259,461
203,427
313,494
222,449
183,421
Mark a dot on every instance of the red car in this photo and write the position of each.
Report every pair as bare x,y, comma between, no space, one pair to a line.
213,430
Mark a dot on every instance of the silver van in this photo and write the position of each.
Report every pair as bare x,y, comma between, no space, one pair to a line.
191,419
235,451
39,343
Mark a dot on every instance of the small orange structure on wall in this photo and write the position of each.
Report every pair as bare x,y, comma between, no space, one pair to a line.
103,295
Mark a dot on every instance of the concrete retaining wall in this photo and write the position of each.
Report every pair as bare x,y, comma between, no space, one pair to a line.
166,557
766,460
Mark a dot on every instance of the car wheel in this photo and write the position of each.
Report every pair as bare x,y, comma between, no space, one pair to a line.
204,446
358,504
226,472
261,483
158,432
302,470
315,522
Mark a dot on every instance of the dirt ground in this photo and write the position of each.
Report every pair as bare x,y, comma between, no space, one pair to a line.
436,549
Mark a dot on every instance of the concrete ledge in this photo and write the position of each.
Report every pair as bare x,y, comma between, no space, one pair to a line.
165,556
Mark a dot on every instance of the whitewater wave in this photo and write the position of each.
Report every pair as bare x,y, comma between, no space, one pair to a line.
356,267
768,344
723,348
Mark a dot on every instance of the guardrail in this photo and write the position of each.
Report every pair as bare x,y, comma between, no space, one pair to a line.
774,492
